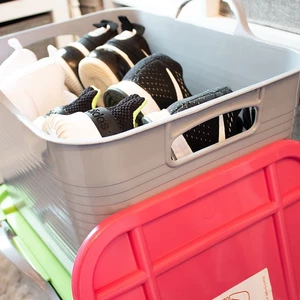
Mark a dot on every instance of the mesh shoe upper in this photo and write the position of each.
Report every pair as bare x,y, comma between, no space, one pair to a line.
207,133
124,111
151,74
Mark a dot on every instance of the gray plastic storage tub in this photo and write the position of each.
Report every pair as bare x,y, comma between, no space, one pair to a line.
65,188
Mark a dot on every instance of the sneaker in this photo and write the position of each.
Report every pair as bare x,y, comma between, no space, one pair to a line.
96,123
87,100
70,56
205,134
158,78
108,64
31,91
249,116
18,60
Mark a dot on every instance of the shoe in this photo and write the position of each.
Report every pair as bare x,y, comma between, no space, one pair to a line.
205,134
96,123
87,100
108,64
37,88
158,78
18,60
249,116
70,56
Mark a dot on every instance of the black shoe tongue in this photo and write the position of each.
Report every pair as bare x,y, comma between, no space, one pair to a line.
127,25
125,112
103,23
81,104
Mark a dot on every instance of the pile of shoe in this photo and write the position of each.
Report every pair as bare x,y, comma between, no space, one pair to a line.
106,83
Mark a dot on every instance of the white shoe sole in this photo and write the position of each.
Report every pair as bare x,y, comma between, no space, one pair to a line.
94,72
129,88
77,126
71,81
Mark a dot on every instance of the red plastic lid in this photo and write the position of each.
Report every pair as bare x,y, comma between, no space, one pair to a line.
203,237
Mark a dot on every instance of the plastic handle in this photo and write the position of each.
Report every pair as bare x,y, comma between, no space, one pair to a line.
210,8
242,27
190,118
181,7
11,253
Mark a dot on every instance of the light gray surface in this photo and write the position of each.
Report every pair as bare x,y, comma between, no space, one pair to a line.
280,14
73,187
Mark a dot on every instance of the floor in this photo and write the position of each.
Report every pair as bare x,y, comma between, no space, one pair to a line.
14,285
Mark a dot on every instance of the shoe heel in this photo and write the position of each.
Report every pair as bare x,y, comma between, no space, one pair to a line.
113,96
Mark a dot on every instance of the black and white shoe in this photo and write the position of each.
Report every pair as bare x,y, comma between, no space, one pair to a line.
203,135
108,64
70,56
158,78
249,116
96,123
87,100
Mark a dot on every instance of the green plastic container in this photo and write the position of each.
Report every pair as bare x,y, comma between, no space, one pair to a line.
28,251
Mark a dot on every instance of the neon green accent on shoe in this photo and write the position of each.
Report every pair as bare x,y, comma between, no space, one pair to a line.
96,98
137,111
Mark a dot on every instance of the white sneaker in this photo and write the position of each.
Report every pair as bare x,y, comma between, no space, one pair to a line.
19,59
87,100
96,123
37,88
70,56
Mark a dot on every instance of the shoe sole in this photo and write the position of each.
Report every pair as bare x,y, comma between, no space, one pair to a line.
113,96
94,72
71,80
126,88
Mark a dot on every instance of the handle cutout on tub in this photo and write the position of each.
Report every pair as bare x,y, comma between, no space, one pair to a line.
213,131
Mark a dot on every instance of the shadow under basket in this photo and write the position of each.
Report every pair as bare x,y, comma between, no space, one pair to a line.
65,188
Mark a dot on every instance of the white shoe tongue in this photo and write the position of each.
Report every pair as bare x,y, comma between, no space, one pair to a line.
99,31
14,43
125,35
18,60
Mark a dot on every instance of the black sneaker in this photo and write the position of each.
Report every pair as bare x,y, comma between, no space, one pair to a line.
87,100
97,122
205,134
70,56
157,77
108,64
249,115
